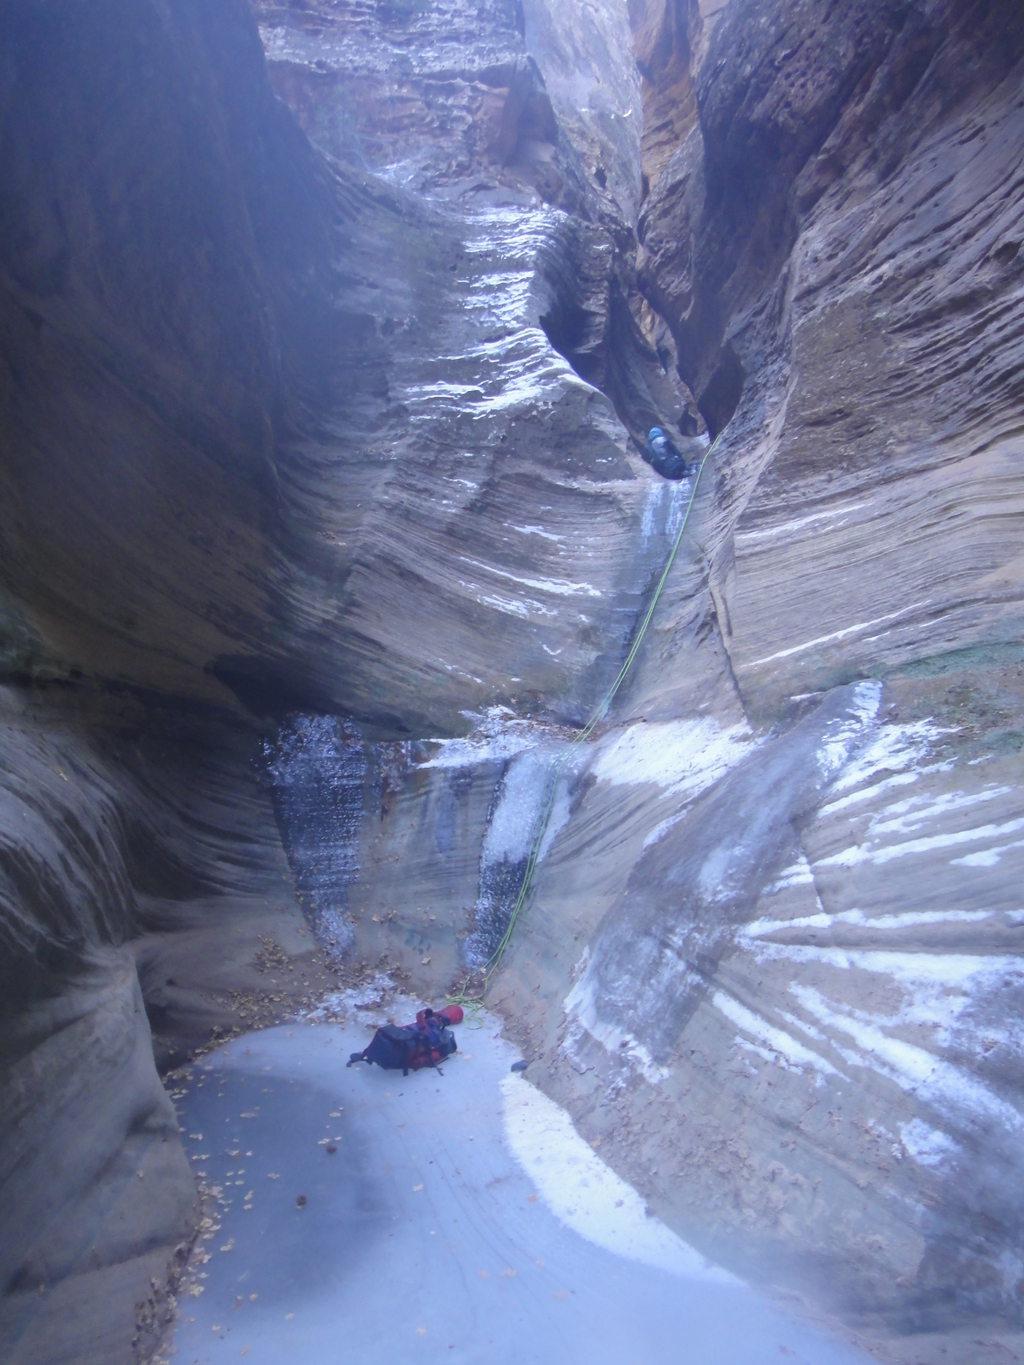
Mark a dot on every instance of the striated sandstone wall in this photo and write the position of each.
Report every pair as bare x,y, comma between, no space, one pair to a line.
771,962
323,525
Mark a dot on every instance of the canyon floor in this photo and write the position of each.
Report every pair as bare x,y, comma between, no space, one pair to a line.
535,1249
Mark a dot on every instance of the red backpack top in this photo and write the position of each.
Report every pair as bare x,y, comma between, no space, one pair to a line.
409,1047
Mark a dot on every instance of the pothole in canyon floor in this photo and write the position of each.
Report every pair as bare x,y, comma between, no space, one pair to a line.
459,1219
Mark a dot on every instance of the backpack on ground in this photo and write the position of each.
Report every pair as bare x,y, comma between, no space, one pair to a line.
408,1047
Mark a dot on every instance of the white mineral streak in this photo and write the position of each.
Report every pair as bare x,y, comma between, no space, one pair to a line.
536,531
788,528
868,853
560,586
759,927
923,1003
585,1194
838,634
961,1097
780,1044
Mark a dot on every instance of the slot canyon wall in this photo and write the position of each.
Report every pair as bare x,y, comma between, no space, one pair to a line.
329,334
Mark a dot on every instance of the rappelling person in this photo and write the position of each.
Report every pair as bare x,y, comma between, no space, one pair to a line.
665,457
408,1047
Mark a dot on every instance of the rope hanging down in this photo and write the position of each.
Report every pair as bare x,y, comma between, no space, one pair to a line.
558,766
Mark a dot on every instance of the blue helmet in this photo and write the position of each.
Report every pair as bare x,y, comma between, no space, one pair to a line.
654,433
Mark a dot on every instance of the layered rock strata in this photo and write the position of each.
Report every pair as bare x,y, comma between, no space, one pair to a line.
324,527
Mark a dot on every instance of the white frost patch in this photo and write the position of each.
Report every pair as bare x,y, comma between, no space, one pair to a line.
441,389
683,756
511,606
927,1145
585,1194
759,927
843,733
935,988
510,833
988,858
776,1040
343,1004
581,1011
912,1068
496,739
953,970
894,749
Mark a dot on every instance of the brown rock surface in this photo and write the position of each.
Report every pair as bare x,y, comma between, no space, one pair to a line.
323,526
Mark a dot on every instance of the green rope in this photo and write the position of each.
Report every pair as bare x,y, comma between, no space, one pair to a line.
470,1003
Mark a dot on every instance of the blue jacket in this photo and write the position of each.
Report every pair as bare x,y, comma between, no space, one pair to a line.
664,457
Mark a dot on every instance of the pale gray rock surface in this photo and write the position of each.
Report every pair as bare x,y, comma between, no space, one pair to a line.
324,525
470,1189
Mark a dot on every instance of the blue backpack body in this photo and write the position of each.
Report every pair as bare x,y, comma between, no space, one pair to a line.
405,1048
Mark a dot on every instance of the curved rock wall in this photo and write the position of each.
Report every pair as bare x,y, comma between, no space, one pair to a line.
324,524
